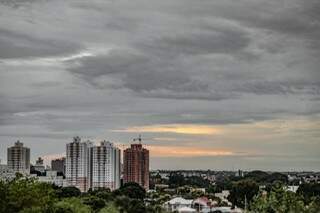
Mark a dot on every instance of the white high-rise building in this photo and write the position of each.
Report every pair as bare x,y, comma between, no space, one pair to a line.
105,166
19,158
78,168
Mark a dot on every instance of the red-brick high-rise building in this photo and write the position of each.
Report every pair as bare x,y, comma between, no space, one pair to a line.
136,165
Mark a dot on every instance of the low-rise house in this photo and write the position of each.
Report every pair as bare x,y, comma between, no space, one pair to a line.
177,203
225,209
202,204
292,188
223,196
186,210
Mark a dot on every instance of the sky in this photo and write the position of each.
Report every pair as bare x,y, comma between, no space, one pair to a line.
209,84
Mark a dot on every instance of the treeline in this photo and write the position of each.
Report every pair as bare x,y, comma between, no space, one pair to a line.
224,183
279,200
177,180
257,191
267,194
27,195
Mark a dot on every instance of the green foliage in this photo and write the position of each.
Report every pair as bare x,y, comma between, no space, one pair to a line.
110,208
243,191
277,177
26,195
71,205
257,176
96,203
178,180
69,191
309,190
314,205
103,193
4,191
265,178
131,190
281,201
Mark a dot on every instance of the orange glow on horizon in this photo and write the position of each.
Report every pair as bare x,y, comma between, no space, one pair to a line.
178,151
175,128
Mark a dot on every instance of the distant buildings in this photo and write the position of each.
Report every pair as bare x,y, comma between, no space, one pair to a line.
59,165
78,164
18,158
52,177
5,172
85,165
39,166
105,166
136,165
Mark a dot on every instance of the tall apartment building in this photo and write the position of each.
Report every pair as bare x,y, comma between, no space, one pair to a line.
78,164
59,165
136,165
18,158
105,166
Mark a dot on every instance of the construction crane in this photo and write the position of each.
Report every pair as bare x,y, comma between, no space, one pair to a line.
138,139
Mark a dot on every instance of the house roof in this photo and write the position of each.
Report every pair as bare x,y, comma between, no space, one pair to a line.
180,200
204,201
186,209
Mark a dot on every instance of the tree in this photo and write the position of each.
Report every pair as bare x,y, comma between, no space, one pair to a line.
278,201
96,203
314,205
176,180
243,191
28,195
136,206
69,191
4,190
110,208
103,193
131,190
197,181
71,205
257,175
309,190
277,177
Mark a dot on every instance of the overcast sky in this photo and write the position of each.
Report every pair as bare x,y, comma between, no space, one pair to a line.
210,84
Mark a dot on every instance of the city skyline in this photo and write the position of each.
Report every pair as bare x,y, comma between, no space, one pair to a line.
221,85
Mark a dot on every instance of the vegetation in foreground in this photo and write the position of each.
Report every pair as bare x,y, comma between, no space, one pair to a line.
27,195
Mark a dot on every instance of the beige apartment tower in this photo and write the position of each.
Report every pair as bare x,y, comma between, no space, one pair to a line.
18,158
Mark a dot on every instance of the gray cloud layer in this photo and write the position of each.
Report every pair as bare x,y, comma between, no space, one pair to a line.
78,67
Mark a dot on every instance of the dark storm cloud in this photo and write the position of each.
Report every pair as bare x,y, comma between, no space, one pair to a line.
16,45
281,87
153,64
294,18
218,40
144,75
18,3
302,19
